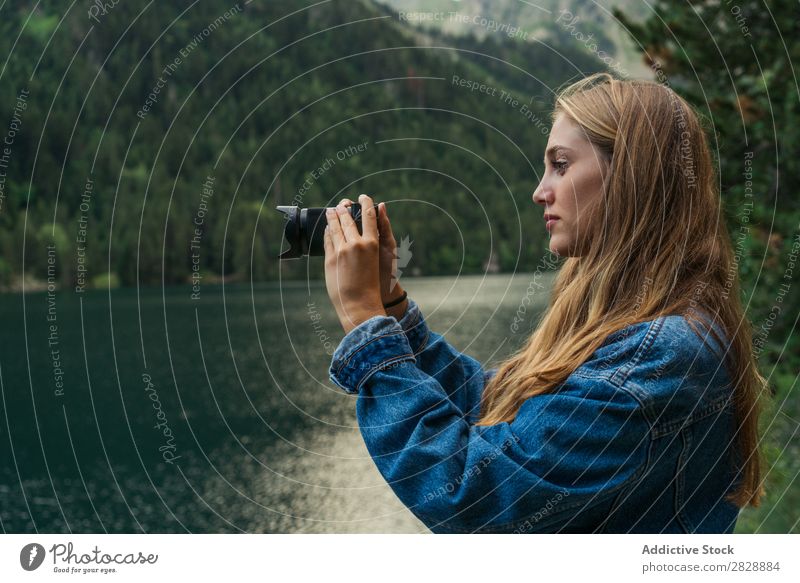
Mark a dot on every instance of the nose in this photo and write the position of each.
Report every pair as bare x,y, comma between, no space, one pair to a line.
543,194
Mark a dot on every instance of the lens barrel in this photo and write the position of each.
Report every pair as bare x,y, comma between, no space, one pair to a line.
305,229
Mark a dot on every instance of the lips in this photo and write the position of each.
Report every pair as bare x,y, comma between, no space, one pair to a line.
550,220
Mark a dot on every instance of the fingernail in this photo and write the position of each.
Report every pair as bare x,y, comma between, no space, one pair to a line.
362,196
329,212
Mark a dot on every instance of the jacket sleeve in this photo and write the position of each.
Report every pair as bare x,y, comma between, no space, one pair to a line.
462,377
564,452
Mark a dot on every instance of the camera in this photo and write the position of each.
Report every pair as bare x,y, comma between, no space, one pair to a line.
305,229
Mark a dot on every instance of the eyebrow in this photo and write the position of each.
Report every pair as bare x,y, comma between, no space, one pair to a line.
552,149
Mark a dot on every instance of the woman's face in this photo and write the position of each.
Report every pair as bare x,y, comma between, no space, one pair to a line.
572,181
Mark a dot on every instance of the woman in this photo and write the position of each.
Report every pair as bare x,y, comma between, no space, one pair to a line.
633,407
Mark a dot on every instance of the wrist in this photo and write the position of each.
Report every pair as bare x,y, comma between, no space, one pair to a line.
354,318
397,311
392,295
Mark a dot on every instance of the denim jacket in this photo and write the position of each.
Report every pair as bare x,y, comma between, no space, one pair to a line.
635,440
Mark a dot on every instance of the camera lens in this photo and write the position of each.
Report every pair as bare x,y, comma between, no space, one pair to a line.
305,229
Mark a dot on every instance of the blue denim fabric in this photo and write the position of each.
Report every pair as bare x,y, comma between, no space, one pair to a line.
635,440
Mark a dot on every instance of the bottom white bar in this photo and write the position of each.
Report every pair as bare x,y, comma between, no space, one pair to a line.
389,558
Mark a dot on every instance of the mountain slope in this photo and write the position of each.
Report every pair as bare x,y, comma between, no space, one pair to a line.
205,112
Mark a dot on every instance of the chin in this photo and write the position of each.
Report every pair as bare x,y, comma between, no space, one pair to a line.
556,247
563,246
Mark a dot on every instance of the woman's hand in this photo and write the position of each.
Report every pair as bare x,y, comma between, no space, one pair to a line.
352,264
390,287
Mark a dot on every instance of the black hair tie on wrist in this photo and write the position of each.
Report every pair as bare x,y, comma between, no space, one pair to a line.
397,301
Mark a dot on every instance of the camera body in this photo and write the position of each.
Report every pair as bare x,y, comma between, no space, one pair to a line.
305,229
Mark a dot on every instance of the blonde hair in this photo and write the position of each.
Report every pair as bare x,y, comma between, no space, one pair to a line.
640,264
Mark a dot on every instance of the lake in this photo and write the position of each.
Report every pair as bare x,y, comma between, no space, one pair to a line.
151,411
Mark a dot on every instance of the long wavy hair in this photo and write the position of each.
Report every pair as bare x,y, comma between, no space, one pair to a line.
659,246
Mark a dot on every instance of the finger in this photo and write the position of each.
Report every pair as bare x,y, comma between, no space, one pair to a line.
383,222
328,242
346,202
382,233
335,228
348,225
369,218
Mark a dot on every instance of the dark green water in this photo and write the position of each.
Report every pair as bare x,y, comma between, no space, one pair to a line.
209,415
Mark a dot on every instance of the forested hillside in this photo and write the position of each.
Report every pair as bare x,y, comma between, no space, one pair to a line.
590,25
152,144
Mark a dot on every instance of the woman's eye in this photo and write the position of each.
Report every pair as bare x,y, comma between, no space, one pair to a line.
560,166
